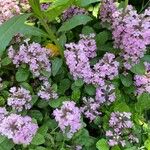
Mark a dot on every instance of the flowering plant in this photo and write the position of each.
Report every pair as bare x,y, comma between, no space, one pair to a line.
74,75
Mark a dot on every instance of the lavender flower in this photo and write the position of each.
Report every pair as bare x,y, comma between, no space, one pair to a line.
8,9
105,94
106,10
121,125
20,129
45,6
3,113
46,92
90,108
19,99
107,67
142,82
68,116
34,55
72,11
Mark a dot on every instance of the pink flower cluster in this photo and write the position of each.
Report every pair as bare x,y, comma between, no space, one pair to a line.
46,92
20,129
72,11
33,55
142,82
68,117
120,124
131,31
90,108
78,60
8,9
19,99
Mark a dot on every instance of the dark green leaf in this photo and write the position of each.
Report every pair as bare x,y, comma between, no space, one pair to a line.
74,22
83,3
6,145
90,90
36,114
56,65
38,139
6,61
126,80
87,30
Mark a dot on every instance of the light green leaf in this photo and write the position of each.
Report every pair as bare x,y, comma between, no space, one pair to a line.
6,145
10,28
38,139
121,107
138,68
126,80
22,74
6,61
74,22
102,145
79,82
146,58
76,94
83,3
87,30
56,65
147,144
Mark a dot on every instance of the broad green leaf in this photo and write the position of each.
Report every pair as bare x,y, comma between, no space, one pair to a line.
83,3
27,86
2,138
102,37
57,8
147,144
79,82
10,28
6,145
36,114
64,86
6,61
87,30
102,145
146,58
115,148
90,90
22,74
121,107
76,94
38,139
43,130
126,80
138,68
56,65
74,22
131,148
143,102
57,102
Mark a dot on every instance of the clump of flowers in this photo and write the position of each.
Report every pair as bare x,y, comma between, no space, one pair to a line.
19,98
78,62
105,94
142,82
68,117
44,6
121,125
130,32
33,55
3,113
106,10
46,92
20,129
107,67
90,108
8,9
73,11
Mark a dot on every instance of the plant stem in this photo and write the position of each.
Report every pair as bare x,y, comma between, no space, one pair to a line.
126,3
52,36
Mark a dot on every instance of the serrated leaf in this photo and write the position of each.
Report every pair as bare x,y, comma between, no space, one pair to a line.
138,68
38,139
22,74
9,28
74,22
56,65
102,145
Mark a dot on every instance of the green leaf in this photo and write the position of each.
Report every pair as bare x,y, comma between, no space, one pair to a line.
76,94
6,145
6,61
64,86
38,139
115,148
27,86
102,37
121,107
79,82
84,3
126,80
147,144
138,68
146,58
2,138
57,102
10,28
74,22
43,130
90,90
131,148
87,30
57,8
143,102
56,65
36,114
22,74
102,145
